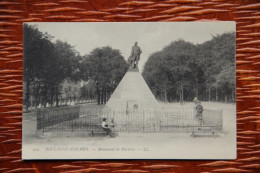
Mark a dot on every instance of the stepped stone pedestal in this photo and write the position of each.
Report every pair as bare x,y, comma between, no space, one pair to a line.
132,93
133,106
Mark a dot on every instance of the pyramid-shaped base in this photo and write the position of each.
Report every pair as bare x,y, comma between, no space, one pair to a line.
132,93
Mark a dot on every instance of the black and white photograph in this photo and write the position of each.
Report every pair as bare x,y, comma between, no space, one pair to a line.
129,90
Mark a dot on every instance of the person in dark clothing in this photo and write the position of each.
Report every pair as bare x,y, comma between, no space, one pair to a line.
199,111
106,128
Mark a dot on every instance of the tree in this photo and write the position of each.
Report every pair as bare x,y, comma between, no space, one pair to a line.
183,70
65,65
46,66
170,70
88,91
218,55
37,50
106,67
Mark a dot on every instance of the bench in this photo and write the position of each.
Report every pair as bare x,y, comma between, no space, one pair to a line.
205,131
97,130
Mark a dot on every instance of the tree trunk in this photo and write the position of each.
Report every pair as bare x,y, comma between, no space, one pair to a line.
195,91
233,95
165,90
27,96
105,96
52,95
98,94
88,94
177,94
35,95
165,94
216,94
36,102
181,91
209,95
102,95
57,96
108,93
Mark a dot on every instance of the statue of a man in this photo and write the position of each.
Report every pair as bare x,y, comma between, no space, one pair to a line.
135,56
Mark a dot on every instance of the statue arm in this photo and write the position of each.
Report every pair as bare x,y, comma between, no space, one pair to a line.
139,51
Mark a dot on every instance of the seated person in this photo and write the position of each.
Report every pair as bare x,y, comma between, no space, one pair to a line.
106,128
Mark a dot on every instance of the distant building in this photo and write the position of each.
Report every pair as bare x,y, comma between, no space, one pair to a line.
70,91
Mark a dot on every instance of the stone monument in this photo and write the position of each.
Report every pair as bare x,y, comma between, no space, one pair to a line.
132,91
132,106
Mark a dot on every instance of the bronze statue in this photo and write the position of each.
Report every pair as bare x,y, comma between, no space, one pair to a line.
135,56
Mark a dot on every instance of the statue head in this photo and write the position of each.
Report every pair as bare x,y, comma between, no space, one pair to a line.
136,43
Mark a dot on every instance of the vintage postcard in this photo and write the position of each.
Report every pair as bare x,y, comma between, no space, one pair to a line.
129,90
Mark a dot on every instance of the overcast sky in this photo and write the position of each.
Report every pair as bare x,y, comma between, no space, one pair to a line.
151,36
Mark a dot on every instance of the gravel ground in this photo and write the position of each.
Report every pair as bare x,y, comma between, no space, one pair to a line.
133,145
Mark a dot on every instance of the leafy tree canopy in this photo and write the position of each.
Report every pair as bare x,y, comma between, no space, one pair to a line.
183,70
